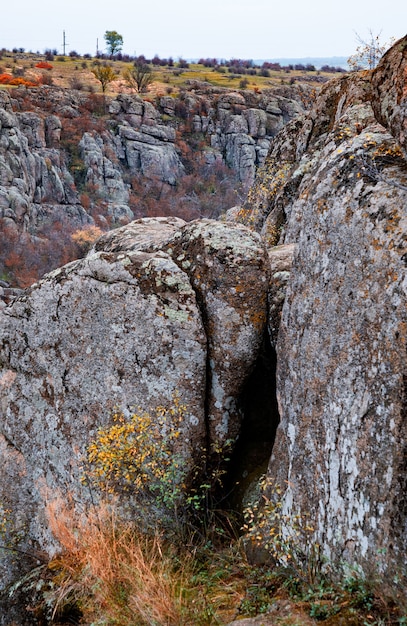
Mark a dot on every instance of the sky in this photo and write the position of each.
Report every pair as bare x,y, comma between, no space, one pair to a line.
223,29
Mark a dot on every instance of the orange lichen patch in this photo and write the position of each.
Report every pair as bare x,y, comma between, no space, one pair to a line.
348,214
393,276
388,151
240,288
376,244
321,205
258,318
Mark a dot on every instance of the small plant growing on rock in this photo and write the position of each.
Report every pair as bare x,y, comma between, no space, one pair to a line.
369,52
136,456
287,539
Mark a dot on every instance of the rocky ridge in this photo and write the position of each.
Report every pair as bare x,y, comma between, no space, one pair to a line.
42,174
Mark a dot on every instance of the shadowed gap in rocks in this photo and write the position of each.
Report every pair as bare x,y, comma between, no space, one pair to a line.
260,420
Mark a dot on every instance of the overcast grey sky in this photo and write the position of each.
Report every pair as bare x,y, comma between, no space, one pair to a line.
251,29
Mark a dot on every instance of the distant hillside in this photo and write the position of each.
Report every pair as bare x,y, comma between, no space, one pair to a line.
317,61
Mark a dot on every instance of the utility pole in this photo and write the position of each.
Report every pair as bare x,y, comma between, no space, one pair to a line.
97,48
64,43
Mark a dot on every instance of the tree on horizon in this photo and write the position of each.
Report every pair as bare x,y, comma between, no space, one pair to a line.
114,41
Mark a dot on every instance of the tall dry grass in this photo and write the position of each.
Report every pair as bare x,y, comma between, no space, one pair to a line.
114,573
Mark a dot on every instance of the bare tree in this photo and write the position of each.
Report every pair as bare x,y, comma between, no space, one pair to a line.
139,77
369,52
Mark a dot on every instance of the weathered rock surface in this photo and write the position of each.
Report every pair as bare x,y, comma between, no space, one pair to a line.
112,330
228,269
390,92
280,258
227,266
32,171
142,318
148,234
335,184
240,125
40,164
105,175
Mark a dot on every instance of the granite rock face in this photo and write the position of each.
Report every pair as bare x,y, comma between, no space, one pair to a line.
105,175
240,125
228,269
114,330
335,185
157,308
33,174
390,92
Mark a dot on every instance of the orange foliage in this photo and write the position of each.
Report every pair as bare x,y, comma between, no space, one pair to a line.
44,65
85,237
8,79
18,80
5,79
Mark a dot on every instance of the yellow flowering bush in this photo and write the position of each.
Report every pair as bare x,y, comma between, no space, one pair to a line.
136,455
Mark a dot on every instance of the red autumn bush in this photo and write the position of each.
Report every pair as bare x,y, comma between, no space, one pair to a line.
5,79
44,65
8,79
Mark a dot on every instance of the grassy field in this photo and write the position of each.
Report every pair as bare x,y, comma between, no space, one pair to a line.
76,72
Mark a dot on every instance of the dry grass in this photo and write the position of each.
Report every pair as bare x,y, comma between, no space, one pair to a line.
66,71
118,576
112,572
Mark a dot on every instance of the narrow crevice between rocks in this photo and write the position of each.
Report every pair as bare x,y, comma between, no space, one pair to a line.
253,449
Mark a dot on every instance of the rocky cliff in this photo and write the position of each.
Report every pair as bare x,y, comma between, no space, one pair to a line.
335,187
313,265
55,143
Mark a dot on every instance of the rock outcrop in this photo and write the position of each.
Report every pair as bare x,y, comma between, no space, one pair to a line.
390,92
335,185
158,308
52,149
32,172
161,305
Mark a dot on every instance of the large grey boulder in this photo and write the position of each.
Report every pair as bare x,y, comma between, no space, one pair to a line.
336,187
114,330
158,308
228,269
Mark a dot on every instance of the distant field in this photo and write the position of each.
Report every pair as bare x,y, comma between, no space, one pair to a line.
76,73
